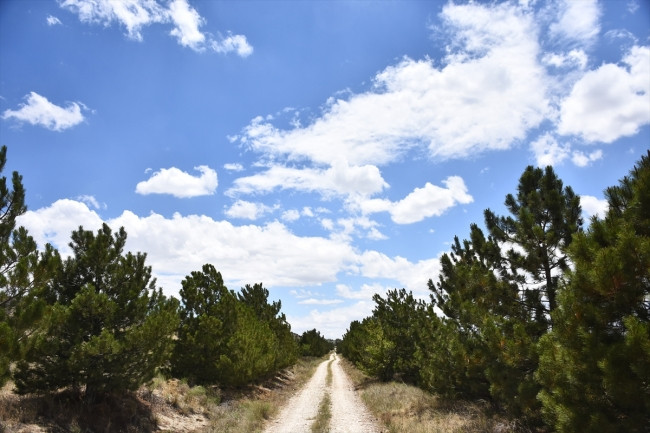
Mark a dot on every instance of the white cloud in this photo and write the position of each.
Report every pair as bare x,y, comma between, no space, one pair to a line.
91,201
411,276
54,224
233,167
367,291
582,160
136,14
431,200
179,183
548,151
340,178
53,21
37,110
187,21
489,94
314,301
179,245
574,58
233,43
270,253
425,202
611,101
132,14
290,215
247,210
578,21
592,206
331,323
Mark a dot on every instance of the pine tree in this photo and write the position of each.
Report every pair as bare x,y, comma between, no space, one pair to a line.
256,298
208,319
24,273
109,328
544,217
497,292
401,318
595,364
312,343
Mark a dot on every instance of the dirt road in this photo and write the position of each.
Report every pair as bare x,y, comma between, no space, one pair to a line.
349,415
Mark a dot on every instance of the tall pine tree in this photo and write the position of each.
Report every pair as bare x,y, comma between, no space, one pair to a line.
24,273
595,364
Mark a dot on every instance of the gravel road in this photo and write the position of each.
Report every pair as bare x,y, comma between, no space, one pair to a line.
349,415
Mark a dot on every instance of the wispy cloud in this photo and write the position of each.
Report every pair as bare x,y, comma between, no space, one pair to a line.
37,110
134,15
91,201
52,20
179,183
233,166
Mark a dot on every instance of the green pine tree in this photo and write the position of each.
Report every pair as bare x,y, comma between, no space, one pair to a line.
256,298
497,292
208,319
595,364
109,328
24,273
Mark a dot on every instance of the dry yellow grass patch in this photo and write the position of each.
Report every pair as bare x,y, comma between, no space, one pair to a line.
406,408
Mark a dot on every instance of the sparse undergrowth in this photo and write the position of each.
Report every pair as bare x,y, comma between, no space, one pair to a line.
161,406
322,422
406,408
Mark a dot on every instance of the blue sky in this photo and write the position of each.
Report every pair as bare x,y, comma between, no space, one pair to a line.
330,150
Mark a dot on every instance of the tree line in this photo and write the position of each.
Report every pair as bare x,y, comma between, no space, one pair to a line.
545,319
96,322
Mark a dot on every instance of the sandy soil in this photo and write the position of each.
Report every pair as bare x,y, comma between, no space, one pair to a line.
349,415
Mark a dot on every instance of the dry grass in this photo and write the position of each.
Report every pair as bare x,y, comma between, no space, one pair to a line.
162,406
405,408
322,422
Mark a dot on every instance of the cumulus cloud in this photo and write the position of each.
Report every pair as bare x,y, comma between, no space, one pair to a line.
54,224
179,183
430,200
179,245
247,210
315,301
340,179
577,21
582,159
134,15
611,101
548,151
233,43
331,323
592,206
37,110
489,93
270,253
187,22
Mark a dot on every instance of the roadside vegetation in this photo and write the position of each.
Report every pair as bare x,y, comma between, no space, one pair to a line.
535,319
163,405
90,343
